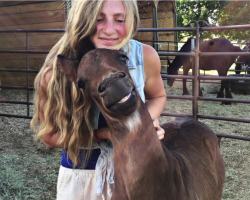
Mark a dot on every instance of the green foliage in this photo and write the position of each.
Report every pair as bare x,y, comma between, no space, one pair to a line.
235,13
216,13
197,10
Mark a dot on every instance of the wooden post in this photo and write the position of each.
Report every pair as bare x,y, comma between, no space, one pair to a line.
155,25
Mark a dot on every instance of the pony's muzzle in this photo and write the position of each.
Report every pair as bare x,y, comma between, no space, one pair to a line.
109,81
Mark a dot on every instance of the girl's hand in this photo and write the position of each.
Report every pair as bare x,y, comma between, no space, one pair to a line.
160,131
103,133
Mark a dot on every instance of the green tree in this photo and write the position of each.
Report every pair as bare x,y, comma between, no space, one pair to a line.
235,13
216,13
206,10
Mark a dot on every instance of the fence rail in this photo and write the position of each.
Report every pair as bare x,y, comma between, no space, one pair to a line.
195,77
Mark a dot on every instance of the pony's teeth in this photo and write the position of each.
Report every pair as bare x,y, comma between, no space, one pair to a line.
124,99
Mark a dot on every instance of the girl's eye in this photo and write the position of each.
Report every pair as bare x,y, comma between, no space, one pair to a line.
120,20
100,20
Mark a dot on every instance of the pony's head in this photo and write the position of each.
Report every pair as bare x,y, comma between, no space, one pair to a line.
104,76
171,71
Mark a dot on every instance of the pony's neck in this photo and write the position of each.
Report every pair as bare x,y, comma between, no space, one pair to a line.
136,127
137,152
181,60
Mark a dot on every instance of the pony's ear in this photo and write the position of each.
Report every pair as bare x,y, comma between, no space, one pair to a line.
67,67
84,47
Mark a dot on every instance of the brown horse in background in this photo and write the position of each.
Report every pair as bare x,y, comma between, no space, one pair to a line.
186,165
220,63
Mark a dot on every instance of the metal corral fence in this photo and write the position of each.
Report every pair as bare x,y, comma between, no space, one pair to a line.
195,53
196,78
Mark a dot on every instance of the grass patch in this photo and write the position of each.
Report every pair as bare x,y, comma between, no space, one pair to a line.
26,171
32,175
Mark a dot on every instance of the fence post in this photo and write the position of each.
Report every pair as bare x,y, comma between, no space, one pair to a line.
195,73
28,75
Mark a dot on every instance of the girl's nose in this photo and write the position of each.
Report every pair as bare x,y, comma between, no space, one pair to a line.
109,27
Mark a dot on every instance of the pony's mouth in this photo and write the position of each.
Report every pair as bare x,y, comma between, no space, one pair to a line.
125,105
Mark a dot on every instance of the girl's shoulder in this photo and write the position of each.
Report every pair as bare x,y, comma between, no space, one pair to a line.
151,59
147,50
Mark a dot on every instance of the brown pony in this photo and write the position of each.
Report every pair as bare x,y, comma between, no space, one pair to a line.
186,165
221,63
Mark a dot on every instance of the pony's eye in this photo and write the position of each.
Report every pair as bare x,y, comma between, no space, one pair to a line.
124,58
80,84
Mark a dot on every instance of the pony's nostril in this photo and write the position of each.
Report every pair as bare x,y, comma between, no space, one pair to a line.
102,88
120,75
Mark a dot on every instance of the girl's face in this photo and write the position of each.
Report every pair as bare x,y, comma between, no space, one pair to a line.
110,25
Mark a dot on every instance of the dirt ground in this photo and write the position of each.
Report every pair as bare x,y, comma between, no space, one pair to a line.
28,171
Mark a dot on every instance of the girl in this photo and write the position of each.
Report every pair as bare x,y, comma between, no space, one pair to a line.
61,116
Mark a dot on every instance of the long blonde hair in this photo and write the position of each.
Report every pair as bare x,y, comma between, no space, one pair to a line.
67,108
